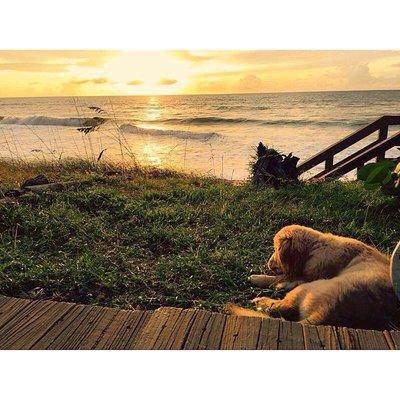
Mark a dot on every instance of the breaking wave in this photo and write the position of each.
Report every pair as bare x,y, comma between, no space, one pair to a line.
55,121
211,120
129,128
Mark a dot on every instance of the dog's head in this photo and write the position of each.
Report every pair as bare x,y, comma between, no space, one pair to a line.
292,248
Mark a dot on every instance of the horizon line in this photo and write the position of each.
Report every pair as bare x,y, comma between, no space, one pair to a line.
205,94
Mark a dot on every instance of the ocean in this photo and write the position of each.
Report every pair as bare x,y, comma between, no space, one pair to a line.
207,134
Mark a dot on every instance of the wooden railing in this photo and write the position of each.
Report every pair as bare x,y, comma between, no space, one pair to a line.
375,149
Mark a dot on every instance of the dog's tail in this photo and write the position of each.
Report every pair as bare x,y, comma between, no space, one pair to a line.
243,312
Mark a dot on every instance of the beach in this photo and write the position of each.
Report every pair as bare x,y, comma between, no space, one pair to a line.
206,134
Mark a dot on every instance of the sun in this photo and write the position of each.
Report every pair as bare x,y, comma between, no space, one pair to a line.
147,72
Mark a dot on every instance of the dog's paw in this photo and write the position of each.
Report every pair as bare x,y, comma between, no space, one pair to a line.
262,303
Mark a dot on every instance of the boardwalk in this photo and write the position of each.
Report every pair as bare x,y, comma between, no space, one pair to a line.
40,324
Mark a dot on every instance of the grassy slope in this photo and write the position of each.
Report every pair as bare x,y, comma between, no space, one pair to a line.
149,239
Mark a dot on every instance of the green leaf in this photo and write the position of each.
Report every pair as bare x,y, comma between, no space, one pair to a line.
363,172
378,174
391,164
388,178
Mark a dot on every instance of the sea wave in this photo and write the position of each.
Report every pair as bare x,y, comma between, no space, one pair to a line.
211,120
55,121
133,129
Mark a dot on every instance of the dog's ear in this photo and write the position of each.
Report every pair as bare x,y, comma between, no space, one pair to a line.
291,255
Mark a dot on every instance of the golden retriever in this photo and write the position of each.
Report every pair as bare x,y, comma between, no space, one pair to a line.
331,280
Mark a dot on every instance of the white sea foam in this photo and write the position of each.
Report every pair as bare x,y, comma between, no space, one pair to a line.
133,129
45,120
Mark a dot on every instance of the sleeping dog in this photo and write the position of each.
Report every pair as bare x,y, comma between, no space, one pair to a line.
331,280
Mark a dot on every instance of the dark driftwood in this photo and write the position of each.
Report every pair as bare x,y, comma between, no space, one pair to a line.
56,186
40,179
273,168
40,188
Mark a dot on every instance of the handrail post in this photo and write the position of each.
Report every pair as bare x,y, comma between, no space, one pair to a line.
329,162
383,134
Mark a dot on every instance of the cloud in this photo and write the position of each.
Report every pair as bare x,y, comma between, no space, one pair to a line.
135,82
358,76
96,81
167,81
33,67
250,83
244,84
189,56
52,60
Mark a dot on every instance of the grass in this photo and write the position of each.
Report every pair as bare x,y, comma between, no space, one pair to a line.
145,238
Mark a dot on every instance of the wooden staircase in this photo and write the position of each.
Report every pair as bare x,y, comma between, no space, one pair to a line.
376,149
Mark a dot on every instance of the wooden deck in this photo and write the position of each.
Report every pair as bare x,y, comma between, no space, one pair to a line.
42,324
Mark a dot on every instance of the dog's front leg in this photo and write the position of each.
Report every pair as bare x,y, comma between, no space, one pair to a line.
264,281
288,285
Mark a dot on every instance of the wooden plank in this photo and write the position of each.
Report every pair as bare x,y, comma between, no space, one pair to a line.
163,339
312,340
290,336
89,331
395,336
389,340
329,337
269,334
372,340
197,330
11,308
229,334
212,335
123,330
64,323
348,338
4,299
117,329
241,333
90,340
158,330
25,336
29,318
181,330
81,323
248,333
135,333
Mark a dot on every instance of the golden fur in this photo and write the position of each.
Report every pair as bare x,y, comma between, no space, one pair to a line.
331,280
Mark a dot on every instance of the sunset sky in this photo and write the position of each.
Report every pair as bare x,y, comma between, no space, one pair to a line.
112,72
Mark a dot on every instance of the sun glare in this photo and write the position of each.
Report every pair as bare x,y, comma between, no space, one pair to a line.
147,72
